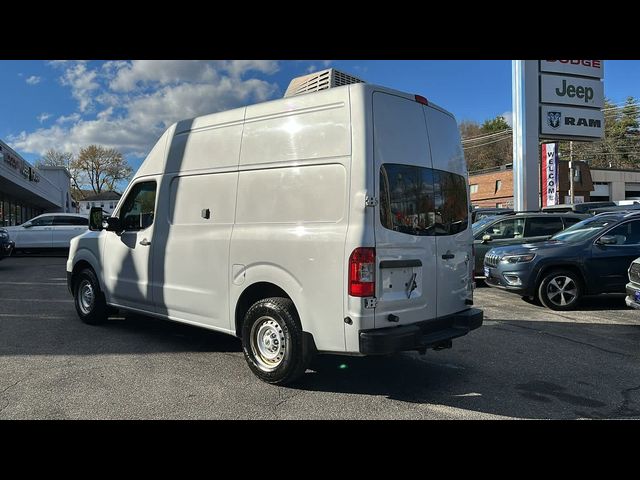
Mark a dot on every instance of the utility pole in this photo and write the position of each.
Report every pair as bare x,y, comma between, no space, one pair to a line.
571,193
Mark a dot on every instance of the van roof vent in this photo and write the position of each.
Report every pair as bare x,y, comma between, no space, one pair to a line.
314,82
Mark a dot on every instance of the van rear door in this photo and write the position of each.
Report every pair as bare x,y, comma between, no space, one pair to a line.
454,238
406,278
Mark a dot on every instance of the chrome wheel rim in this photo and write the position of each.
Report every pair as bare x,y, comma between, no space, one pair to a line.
562,291
86,296
268,343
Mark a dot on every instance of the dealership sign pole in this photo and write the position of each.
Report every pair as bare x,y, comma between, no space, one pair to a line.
525,134
552,100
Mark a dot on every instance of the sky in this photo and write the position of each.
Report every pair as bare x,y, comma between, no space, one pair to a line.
127,104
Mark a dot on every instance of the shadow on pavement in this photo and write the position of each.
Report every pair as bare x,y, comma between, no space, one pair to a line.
510,368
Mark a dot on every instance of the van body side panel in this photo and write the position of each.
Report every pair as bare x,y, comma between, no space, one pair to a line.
360,232
154,163
406,285
291,207
194,222
454,251
296,129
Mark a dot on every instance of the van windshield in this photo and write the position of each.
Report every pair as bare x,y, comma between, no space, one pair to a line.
585,229
422,201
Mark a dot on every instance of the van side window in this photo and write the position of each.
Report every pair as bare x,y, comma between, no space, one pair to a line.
422,201
138,209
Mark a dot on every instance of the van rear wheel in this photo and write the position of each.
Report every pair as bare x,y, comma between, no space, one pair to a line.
273,342
88,298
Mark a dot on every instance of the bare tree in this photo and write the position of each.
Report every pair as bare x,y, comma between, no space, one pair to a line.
58,158
102,168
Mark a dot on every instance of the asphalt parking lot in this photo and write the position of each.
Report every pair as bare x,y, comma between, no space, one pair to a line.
525,362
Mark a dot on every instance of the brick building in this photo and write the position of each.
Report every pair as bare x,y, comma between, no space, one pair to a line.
493,187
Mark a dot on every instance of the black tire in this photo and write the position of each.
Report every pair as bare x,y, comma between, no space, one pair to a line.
275,320
560,290
92,312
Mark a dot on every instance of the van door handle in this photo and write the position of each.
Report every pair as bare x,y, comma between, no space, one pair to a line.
448,256
144,242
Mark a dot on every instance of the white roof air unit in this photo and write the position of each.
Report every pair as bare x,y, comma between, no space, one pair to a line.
314,82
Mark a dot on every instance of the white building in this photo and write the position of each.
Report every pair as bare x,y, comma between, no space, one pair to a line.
26,192
106,200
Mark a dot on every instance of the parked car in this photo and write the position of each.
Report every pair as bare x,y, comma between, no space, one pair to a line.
517,229
619,208
633,287
578,207
49,230
304,240
481,213
590,258
6,245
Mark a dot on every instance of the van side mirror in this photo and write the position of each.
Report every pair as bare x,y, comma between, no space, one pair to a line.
607,240
486,238
113,224
95,219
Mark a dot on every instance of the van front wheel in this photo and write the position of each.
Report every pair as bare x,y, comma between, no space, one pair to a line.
273,342
88,298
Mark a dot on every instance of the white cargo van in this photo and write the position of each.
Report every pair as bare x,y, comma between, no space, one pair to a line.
335,221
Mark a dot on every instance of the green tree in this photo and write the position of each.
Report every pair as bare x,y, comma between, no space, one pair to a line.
620,147
487,145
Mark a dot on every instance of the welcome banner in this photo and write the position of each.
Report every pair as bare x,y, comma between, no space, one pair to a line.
549,174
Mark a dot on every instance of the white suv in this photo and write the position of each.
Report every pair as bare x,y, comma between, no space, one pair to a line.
49,230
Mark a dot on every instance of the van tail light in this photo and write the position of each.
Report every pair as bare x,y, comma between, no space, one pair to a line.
362,271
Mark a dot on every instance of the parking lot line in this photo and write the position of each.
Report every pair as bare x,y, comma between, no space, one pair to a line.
35,300
32,283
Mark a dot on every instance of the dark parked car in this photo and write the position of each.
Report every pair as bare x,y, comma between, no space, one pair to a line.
592,257
584,207
480,213
517,229
633,287
6,245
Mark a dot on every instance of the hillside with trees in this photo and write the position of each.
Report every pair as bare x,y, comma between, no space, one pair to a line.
490,144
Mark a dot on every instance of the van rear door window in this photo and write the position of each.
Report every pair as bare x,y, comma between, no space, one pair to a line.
422,201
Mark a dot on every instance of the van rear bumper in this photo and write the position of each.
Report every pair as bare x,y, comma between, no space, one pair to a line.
421,335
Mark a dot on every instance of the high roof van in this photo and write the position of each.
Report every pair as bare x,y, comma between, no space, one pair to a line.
336,221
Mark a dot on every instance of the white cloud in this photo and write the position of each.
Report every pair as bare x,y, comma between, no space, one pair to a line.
43,116
33,80
74,117
240,67
135,101
83,82
142,73
508,117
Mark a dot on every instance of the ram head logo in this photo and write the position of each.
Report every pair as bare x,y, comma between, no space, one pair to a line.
553,119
